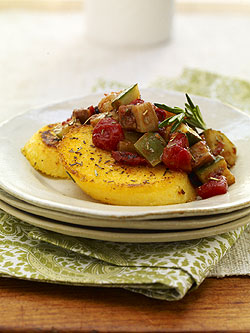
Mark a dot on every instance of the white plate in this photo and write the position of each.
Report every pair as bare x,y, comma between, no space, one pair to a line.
159,224
19,179
125,236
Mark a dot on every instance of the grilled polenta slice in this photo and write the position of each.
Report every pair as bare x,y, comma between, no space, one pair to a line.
41,152
98,175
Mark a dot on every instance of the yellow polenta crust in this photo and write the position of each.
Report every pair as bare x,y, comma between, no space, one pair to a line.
98,175
42,157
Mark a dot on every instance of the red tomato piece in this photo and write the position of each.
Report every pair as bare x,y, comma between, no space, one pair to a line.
177,158
107,133
128,158
161,114
215,186
176,155
137,101
91,109
178,139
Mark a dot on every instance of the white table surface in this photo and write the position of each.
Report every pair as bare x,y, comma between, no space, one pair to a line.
45,57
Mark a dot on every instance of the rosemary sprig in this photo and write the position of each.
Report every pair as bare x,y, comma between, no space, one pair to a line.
191,115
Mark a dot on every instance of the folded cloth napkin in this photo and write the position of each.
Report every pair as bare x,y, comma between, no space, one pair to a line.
160,270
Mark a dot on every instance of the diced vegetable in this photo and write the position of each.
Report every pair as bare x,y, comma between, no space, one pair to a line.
201,154
107,134
127,96
105,104
221,145
129,158
126,117
161,114
146,118
132,136
151,146
165,132
140,117
213,187
83,114
191,134
126,145
176,155
218,167
93,120
178,139
177,158
137,101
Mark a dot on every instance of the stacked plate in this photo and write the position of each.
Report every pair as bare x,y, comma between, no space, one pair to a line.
60,206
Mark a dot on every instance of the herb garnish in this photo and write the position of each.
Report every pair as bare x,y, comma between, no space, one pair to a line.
191,115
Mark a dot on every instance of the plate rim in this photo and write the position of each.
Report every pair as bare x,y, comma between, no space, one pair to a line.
159,224
167,236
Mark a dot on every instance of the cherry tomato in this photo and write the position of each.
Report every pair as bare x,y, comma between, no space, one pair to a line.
215,186
177,158
107,133
176,155
128,158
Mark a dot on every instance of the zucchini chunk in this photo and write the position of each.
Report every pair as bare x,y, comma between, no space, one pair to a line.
127,96
221,145
219,166
191,134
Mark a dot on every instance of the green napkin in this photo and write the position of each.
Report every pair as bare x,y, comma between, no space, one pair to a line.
164,270
226,89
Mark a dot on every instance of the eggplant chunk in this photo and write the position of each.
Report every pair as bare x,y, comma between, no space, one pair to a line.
140,117
126,117
146,118
201,155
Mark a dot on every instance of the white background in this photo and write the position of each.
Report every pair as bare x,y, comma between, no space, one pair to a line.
45,57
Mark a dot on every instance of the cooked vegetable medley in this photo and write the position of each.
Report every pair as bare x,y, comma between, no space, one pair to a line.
129,151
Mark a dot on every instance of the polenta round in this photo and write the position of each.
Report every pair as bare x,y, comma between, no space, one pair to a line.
98,175
44,157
